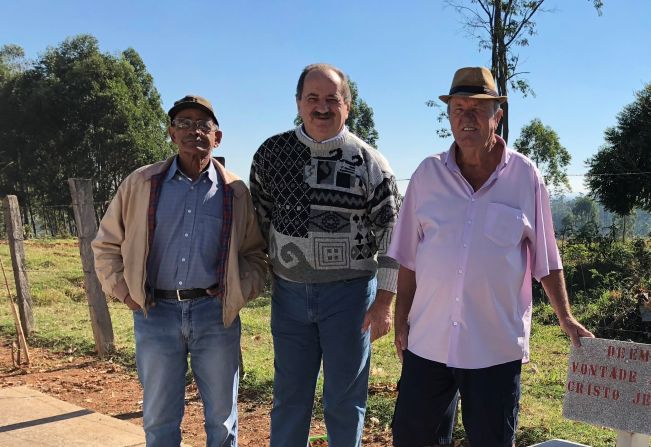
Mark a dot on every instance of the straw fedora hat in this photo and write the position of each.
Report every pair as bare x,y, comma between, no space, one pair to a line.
473,82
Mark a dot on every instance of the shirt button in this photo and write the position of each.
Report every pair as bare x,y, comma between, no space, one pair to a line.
472,199
186,234
459,271
180,283
465,245
454,323
189,211
456,299
182,259
469,221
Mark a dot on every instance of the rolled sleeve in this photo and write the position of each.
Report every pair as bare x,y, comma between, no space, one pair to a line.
545,254
407,232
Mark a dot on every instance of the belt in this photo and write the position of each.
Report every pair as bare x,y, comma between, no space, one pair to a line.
180,295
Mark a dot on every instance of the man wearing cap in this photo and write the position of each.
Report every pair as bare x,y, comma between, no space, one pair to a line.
327,202
474,227
180,246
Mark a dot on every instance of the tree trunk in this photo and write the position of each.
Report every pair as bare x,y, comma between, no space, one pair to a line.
500,67
505,122
623,229
497,25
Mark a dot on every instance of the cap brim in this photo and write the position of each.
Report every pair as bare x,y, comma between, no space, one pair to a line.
191,105
446,98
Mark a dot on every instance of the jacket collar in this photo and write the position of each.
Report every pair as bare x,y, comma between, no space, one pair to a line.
230,179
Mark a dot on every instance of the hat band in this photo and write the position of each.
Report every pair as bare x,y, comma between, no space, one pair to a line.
472,89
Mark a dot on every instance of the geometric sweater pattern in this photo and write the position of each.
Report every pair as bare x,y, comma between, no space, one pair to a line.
327,210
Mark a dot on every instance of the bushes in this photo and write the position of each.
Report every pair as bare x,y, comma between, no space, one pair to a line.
605,280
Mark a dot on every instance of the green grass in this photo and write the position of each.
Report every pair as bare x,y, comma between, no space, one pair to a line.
62,321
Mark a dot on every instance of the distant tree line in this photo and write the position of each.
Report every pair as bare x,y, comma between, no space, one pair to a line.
74,112
584,219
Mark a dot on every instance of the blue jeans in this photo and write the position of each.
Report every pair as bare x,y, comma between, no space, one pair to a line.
311,322
164,338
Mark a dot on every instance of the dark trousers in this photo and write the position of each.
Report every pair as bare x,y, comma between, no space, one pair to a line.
489,398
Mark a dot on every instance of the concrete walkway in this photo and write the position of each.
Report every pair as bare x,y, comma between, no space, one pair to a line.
31,418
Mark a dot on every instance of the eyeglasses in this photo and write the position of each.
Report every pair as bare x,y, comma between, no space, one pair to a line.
186,123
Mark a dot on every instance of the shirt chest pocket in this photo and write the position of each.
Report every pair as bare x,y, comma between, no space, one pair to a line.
209,231
504,225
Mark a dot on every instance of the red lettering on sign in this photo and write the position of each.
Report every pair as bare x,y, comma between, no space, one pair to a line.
593,390
610,372
633,353
643,399
604,392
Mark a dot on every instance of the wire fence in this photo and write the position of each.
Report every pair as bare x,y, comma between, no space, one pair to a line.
51,221
52,276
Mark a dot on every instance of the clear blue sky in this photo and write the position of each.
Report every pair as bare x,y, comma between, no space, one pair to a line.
245,56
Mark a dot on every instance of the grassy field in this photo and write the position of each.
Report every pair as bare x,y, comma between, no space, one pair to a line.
63,324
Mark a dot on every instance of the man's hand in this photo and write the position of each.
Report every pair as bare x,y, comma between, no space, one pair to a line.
401,337
131,303
554,285
378,316
574,330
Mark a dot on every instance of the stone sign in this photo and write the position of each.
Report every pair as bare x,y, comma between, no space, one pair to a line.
609,384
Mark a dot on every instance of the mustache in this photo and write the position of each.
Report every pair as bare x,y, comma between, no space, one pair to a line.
320,115
195,139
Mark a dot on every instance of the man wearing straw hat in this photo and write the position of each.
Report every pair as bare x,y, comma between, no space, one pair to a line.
475,226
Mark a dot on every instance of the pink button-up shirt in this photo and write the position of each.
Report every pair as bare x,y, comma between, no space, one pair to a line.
474,254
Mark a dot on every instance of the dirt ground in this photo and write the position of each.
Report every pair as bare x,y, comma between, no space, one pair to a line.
109,388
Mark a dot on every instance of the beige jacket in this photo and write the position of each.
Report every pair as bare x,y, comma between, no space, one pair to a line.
121,245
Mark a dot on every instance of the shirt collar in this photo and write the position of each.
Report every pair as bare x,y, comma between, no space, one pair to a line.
174,167
341,132
212,173
171,172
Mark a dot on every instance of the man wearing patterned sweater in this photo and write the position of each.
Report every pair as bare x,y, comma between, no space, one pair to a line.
327,203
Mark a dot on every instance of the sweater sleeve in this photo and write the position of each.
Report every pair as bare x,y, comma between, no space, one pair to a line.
384,201
262,199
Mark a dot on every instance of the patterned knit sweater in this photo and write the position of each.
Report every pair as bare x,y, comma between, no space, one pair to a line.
327,210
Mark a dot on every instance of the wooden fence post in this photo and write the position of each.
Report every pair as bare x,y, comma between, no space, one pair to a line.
81,191
16,236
